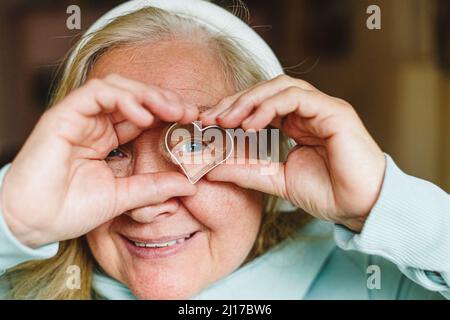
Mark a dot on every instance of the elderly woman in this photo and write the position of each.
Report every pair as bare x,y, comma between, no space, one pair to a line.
91,190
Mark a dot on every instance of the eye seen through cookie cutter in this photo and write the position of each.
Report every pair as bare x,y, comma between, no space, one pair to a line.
216,147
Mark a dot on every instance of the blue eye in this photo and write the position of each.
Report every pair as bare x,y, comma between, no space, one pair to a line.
192,146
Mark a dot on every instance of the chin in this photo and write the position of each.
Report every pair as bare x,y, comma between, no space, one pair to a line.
165,287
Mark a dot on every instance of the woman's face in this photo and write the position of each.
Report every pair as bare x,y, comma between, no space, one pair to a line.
222,220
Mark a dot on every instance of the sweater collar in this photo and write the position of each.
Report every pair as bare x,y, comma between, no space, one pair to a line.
285,272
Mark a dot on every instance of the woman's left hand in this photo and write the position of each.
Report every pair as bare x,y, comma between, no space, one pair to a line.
334,173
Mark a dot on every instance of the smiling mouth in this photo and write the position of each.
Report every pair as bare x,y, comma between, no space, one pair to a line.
160,243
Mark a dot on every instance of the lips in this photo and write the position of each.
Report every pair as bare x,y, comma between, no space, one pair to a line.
160,242
158,247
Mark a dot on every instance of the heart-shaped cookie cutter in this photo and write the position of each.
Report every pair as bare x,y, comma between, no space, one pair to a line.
209,166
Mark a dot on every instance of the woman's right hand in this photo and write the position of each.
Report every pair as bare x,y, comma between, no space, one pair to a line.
59,186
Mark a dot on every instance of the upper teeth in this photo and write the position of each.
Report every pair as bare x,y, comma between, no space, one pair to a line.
159,245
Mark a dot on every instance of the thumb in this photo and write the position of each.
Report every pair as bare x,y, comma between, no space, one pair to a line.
150,189
264,176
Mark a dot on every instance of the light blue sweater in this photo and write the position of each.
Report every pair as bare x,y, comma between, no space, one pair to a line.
405,244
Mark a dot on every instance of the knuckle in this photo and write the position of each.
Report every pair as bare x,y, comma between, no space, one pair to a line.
245,99
292,91
343,103
148,95
265,106
153,95
345,106
283,78
139,93
304,84
318,95
224,100
128,97
269,107
288,80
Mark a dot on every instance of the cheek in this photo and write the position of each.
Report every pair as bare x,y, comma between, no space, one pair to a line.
104,250
231,215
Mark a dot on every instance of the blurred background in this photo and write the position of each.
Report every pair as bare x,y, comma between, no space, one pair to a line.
398,78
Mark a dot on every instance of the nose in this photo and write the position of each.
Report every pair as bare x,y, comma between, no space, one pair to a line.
156,212
148,158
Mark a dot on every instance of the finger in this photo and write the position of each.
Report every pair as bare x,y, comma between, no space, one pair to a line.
209,116
278,105
301,131
314,106
165,104
191,112
274,85
264,177
245,104
97,97
116,117
126,131
150,189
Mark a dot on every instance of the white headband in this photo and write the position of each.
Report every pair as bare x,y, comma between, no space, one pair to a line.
211,16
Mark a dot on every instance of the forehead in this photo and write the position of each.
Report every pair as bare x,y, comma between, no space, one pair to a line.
188,68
